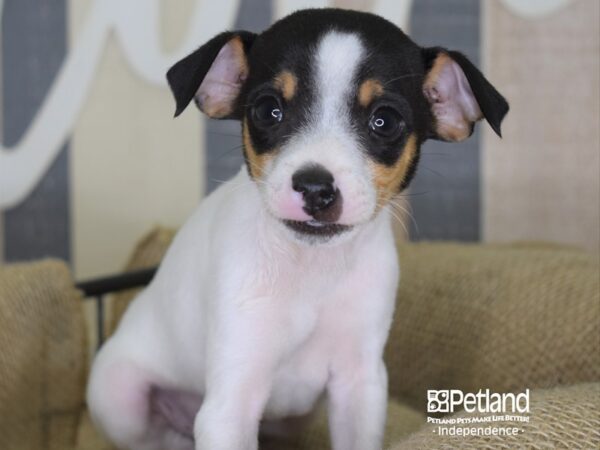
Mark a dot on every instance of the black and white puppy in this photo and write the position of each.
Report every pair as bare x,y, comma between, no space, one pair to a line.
281,287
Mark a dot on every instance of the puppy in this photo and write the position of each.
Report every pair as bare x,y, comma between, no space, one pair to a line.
280,288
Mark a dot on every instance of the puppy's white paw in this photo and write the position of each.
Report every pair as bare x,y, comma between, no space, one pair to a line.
214,430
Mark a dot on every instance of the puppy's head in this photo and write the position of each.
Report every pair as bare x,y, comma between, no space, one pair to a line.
334,107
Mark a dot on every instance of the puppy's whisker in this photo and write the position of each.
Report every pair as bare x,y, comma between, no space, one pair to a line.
255,166
435,172
395,216
402,77
412,194
241,186
376,48
255,181
423,153
259,169
267,66
234,187
407,212
262,182
224,153
218,181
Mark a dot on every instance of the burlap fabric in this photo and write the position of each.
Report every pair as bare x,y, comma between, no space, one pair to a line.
148,253
561,418
88,438
42,357
402,421
493,316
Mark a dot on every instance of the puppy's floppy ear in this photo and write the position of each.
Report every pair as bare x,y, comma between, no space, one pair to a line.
459,95
213,75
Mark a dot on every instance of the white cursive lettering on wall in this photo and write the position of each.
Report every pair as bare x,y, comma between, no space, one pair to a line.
532,9
136,25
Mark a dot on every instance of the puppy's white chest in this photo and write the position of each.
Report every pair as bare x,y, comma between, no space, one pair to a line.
300,381
319,317
302,376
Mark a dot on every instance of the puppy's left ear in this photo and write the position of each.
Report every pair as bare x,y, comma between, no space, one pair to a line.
213,75
459,95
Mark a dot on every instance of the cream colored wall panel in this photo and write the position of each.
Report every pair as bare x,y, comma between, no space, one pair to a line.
542,181
361,5
132,164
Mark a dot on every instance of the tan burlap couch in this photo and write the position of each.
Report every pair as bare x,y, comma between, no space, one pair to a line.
470,317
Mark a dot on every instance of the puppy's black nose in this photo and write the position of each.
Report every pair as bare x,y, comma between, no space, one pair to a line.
321,198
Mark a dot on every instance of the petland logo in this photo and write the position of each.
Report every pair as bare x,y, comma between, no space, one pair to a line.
484,401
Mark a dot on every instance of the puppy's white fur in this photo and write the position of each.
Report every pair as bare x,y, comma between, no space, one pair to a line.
256,321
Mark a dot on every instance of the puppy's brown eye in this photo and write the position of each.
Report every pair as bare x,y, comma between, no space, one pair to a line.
386,122
267,111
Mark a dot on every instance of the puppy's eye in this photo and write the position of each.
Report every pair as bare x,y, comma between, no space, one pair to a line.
386,122
267,111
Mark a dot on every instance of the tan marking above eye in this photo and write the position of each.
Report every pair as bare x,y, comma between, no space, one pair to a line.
256,162
369,90
388,179
286,82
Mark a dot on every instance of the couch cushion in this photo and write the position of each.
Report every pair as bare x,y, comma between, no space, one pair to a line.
147,253
501,317
43,359
565,417
88,438
402,421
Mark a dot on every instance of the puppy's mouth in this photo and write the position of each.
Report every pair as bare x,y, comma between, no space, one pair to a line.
316,228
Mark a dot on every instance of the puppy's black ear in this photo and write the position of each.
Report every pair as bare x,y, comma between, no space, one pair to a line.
459,95
213,75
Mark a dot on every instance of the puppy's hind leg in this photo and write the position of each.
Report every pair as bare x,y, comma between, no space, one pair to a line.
118,398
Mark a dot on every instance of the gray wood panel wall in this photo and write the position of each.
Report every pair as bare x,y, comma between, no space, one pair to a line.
33,48
445,194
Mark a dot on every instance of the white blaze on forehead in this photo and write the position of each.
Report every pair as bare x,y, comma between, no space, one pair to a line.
328,139
337,58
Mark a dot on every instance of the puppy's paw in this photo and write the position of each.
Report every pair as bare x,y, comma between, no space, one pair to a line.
214,429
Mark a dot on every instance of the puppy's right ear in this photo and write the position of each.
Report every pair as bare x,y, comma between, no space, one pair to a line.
213,75
459,95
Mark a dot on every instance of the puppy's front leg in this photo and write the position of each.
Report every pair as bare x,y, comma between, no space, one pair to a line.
357,403
230,415
245,346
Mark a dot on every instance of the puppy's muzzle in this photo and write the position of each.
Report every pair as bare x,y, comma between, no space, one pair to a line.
322,200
